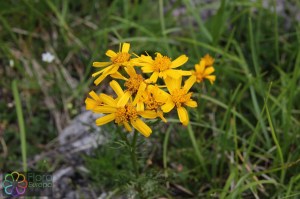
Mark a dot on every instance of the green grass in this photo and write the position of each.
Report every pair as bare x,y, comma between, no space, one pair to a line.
20,123
243,139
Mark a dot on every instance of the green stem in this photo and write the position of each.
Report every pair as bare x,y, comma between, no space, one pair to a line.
132,150
135,162
133,154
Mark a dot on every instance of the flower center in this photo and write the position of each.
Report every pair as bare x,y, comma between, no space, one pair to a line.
199,76
151,103
125,114
120,58
161,64
180,96
134,82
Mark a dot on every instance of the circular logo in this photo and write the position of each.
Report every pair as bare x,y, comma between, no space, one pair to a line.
14,184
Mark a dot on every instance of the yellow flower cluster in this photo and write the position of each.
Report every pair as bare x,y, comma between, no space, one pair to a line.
145,98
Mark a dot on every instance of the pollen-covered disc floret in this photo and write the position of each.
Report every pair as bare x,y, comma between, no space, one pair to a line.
180,96
151,103
126,114
161,63
134,82
120,58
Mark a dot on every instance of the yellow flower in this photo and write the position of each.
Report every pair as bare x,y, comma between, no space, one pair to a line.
123,111
92,103
135,84
179,97
204,69
121,58
152,99
209,61
162,66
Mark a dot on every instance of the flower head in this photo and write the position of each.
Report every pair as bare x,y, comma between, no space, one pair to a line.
117,59
123,111
204,69
152,99
134,82
179,97
162,66
48,57
209,61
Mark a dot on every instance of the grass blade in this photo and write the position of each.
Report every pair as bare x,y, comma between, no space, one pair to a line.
196,149
21,123
273,132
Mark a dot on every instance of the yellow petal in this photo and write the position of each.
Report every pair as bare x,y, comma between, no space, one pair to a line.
200,67
90,104
124,99
160,114
146,59
125,47
183,115
211,78
117,88
191,103
110,70
97,73
168,106
107,100
173,84
101,64
94,95
209,70
105,109
148,114
209,61
127,126
140,106
111,53
139,92
103,71
128,64
130,71
161,96
158,55
147,69
143,64
173,73
163,74
185,123
185,73
154,77
143,128
118,75
189,82
100,79
107,118
113,70
182,59
177,82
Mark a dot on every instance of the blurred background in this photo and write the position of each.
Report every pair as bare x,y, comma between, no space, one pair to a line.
244,136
